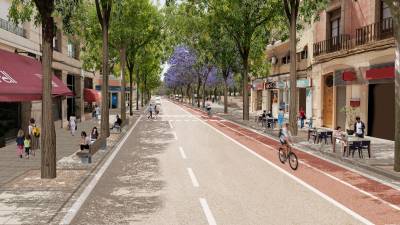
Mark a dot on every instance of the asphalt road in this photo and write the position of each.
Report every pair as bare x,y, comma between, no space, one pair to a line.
177,169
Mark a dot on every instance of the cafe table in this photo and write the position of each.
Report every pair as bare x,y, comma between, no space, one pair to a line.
350,139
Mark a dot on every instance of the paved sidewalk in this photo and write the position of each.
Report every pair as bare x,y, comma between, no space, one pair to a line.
27,199
12,166
382,151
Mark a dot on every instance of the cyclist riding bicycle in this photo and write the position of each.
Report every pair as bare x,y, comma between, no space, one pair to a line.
208,107
285,137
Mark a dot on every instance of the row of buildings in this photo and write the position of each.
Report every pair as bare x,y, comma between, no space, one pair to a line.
344,60
25,41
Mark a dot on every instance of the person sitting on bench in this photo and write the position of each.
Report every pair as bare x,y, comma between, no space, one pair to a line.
117,123
85,141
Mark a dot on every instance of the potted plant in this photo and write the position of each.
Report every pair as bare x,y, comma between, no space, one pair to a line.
351,114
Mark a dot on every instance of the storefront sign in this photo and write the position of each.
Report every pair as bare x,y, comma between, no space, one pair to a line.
281,84
380,73
349,76
270,85
301,83
5,77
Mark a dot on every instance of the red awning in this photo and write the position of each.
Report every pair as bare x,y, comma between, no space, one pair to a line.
91,95
21,79
380,73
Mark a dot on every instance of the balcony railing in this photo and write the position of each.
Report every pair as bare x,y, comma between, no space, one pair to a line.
375,32
11,27
338,43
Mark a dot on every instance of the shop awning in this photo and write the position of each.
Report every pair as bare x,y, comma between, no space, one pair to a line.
380,73
91,95
21,79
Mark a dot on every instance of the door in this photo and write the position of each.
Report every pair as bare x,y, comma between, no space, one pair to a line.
340,104
328,101
302,99
114,100
381,122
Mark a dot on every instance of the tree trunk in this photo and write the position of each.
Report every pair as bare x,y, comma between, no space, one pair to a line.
130,91
245,89
396,23
204,94
105,113
48,133
198,91
293,76
226,97
123,83
141,97
137,88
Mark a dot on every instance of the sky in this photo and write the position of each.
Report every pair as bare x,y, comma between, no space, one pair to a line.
160,2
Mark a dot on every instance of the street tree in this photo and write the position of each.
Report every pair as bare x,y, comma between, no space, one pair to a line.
44,12
146,27
243,19
307,10
394,6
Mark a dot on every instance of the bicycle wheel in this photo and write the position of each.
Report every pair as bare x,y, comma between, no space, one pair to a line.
293,162
282,156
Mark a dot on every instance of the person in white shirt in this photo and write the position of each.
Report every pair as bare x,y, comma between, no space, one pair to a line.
72,125
359,127
85,141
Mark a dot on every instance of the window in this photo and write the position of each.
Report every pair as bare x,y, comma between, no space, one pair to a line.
334,23
385,11
286,59
57,40
73,50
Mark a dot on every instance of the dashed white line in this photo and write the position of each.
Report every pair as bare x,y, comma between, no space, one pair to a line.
175,136
298,180
182,153
193,177
207,212
170,125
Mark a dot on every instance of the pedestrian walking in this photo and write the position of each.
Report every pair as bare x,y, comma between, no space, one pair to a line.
97,112
156,111
72,125
151,109
359,127
281,118
302,117
20,143
27,145
34,134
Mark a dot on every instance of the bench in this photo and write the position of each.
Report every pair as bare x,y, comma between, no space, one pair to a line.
86,155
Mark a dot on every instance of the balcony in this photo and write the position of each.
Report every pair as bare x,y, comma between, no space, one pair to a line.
374,32
338,43
11,27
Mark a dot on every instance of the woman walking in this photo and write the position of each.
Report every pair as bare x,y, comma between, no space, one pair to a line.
34,134
20,143
72,125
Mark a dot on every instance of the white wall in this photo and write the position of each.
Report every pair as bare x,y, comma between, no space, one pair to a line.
4,6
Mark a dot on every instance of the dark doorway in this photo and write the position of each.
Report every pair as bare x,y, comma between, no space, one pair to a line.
302,99
381,111
10,114
71,99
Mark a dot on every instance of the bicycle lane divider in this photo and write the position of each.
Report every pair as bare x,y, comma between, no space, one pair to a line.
380,206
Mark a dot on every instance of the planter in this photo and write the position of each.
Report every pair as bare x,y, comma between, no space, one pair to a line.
350,132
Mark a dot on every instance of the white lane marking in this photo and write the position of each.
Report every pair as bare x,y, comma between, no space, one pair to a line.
324,173
182,153
193,177
175,136
207,212
71,213
311,188
170,125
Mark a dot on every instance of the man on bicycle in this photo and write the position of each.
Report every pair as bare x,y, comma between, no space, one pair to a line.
208,107
285,137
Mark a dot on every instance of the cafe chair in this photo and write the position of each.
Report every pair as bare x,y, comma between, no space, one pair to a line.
364,146
355,146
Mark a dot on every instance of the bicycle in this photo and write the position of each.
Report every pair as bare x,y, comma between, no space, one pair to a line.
283,157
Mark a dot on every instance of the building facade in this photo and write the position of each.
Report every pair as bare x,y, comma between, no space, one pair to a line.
354,66
25,39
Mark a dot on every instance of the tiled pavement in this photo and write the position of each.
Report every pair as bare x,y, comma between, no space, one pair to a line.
27,199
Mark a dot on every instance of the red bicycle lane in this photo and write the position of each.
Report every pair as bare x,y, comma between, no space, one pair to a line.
370,199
